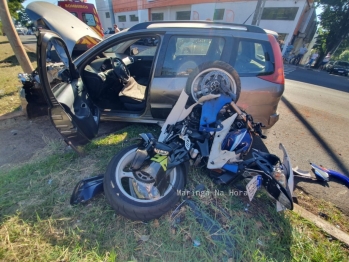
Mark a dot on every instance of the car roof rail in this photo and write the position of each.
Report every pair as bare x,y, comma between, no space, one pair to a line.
196,24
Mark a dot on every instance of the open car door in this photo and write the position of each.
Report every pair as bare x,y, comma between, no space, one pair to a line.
71,110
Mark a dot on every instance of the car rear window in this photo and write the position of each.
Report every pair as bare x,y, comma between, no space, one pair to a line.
184,54
252,57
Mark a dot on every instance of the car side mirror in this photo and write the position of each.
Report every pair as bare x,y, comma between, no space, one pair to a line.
134,51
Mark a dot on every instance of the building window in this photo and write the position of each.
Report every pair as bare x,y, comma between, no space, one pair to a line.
107,15
183,15
218,14
157,16
133,18
279,13
122,18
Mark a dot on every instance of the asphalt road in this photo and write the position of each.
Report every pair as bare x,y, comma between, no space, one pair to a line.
313,127
29,41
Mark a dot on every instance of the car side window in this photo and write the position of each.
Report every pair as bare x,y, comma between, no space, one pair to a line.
185,53
253,58
135,47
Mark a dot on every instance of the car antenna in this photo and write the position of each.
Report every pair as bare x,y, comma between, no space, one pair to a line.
248,17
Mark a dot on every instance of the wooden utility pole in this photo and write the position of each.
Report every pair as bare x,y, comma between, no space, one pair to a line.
13,38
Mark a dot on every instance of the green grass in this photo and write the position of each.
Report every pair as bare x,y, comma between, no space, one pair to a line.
38,224
9,69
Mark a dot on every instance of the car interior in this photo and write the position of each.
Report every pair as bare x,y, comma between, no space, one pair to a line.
119,78
184,54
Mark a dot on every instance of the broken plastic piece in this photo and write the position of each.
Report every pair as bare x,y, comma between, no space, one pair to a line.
302,173
87,189
196,243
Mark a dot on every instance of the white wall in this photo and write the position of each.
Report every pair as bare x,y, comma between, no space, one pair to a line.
283,26
143,15
235,12
202,11
102,7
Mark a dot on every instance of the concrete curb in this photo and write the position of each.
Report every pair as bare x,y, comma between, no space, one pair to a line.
12,115
322,224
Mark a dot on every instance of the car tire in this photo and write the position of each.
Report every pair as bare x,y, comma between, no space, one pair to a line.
124,200
208,71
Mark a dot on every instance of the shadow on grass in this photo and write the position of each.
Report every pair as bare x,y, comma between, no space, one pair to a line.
4,42
12,60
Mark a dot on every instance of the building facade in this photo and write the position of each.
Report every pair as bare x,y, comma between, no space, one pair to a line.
293,20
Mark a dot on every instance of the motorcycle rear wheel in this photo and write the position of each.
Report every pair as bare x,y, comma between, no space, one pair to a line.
209,76
122,197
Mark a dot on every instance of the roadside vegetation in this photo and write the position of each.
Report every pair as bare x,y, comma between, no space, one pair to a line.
9,84
39,224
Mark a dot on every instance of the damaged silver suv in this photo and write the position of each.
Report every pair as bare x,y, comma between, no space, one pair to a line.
138,74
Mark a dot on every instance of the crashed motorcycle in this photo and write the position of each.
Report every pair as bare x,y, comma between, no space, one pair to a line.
204,128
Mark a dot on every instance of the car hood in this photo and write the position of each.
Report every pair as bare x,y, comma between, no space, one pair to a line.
70,28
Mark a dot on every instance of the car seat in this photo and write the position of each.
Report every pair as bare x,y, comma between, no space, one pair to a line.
133,95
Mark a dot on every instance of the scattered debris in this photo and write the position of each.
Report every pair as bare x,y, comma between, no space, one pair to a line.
196,243
144,238
87,189
323,215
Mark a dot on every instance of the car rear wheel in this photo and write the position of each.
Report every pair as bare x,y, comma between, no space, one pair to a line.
212,78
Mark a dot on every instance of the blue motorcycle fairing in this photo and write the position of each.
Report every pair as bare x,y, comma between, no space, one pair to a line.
210,109
239,140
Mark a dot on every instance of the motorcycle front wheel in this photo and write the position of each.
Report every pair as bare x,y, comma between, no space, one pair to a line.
211,78
121,195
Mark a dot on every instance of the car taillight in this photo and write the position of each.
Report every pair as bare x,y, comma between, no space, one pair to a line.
278,76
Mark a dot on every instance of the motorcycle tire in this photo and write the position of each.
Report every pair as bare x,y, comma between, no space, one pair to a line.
123,199
209,71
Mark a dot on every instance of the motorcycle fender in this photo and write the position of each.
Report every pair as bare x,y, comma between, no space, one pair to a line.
140,157
277,191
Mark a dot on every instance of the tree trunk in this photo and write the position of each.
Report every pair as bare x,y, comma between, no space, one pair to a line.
13,38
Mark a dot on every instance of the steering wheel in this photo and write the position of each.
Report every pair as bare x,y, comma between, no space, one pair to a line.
120,69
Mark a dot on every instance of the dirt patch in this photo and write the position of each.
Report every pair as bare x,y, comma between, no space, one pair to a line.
22,138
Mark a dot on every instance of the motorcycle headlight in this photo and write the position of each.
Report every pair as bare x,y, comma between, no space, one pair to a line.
279,176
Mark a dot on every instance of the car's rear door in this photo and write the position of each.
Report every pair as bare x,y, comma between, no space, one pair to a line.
70,109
